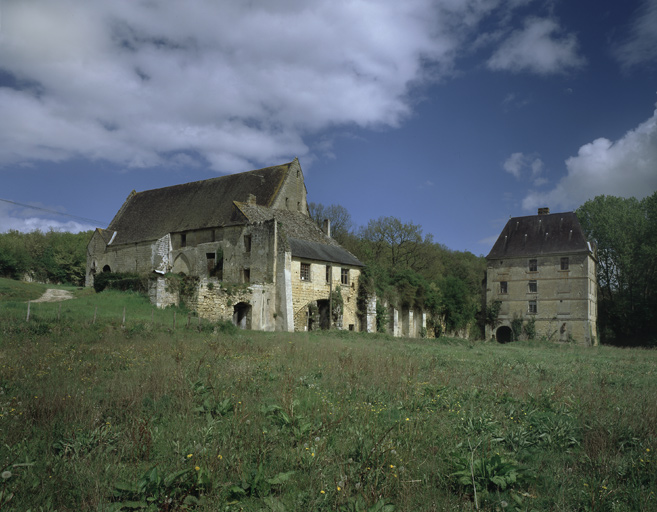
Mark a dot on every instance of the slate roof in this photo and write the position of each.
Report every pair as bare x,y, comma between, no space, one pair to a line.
537,235
151,214
305,238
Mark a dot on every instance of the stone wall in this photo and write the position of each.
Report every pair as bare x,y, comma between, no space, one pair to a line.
566,300
306,293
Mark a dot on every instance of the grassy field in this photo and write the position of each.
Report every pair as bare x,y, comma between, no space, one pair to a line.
101,416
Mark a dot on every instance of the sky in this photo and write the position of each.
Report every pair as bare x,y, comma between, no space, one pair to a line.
451,114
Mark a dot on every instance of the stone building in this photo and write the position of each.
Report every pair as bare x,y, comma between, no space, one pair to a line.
542,271
258,257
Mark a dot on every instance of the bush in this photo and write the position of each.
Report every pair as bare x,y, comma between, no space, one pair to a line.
121,281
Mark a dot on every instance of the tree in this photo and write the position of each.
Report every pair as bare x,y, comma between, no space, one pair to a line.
341,223
625,234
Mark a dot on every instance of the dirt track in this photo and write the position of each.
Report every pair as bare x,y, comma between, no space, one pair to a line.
53,295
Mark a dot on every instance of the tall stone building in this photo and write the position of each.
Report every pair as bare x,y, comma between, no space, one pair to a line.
259,258
542,269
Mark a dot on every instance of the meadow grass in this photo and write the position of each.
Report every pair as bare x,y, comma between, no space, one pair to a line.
105,417
11,290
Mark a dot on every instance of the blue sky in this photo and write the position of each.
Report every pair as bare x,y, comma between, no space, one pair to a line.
452,114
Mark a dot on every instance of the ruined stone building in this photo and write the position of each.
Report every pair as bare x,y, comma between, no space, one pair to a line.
542,268
259,258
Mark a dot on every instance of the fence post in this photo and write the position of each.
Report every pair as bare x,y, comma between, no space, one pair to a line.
93,322
123,324
174,320
28,310
59,311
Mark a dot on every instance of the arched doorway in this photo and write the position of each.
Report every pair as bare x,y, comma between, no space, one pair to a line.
107,268
504,334
242,315
181,265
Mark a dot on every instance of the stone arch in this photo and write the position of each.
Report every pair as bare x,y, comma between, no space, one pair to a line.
107,268
181,265
504,334
242,315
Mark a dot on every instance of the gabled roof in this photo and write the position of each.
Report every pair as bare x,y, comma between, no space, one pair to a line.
151,214
537,235
305,238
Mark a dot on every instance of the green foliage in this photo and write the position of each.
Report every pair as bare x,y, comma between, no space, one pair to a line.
381,317
529,328
516,327
53,257
121,281
624,232
458,305
488,473
492,313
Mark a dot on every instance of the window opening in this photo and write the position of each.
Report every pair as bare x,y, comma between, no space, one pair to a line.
533,287
247,275
533,307
305,272
211,261
247,243
344,276
503,287
533,265
564,263
328,273
183,240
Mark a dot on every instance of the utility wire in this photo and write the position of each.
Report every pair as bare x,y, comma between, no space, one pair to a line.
94,221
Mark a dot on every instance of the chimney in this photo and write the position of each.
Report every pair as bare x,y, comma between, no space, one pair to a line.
544,211
326,227
251,199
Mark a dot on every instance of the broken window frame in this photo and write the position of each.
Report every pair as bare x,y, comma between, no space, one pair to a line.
247,243
533,286
565,263
344,276
504,287
533,265
532,308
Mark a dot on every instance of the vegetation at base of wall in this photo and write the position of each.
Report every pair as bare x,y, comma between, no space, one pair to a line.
112,418
121,281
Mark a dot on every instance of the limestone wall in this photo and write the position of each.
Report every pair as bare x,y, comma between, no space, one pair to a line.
307,292
566,300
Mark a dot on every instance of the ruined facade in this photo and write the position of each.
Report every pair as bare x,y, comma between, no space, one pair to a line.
542,271
259,258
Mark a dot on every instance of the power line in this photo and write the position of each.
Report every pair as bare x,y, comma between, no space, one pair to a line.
94,221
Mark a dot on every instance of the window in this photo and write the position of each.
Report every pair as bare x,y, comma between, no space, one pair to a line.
328,273
533,307
503,287
246,275
305,272
210,258
533,287
183,240
247,243
533,265
564,263
344,276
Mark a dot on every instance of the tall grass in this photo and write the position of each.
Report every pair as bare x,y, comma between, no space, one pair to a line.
105,418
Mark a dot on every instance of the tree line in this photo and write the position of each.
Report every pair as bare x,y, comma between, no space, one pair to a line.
51,257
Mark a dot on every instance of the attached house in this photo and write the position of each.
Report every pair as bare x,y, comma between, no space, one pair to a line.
247,239
541,271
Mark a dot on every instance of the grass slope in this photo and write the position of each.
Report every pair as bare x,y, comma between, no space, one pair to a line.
11,290
100,417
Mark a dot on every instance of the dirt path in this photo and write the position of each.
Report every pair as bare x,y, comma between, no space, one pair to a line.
53,295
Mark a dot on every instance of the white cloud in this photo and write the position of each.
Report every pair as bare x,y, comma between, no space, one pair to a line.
22,219
539,48
237,83
521,166
626,168
641,44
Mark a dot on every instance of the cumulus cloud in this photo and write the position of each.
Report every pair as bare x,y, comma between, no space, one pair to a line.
626,167
224,84
640,46
523,166
539,47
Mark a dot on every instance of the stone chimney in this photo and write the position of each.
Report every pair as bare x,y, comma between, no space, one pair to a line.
544,211
326,227
251,199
